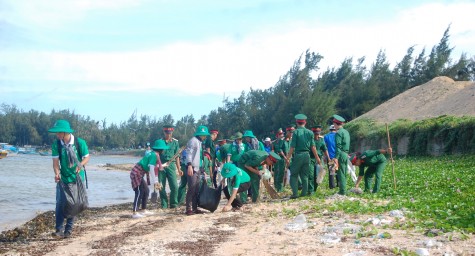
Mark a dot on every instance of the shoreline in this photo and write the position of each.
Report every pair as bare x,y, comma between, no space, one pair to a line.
260,228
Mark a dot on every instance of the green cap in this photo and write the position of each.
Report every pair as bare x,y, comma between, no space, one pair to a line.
160,144
228,170
301,117
61,126
249,133
168,128
237,135
202,131
339,118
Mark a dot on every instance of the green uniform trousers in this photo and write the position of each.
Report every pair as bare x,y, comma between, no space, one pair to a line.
169,174
279,172
300,168
182,188
377,171
341,173
255,182
312,176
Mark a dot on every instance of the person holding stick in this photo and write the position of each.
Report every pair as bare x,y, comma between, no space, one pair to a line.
375,162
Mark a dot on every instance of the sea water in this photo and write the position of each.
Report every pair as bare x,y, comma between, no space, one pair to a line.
27,186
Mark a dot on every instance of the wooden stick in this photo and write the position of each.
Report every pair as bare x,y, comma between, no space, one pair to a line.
391,156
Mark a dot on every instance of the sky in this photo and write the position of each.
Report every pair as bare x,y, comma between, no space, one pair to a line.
107,59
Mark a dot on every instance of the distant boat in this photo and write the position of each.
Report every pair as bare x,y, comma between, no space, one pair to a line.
3,153
27,150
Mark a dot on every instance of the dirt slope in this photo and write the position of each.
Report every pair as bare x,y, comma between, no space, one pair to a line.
440,96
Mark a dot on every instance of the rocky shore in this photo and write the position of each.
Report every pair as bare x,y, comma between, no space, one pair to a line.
265,228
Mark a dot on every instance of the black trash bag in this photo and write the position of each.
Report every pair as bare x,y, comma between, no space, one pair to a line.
74,197
208,198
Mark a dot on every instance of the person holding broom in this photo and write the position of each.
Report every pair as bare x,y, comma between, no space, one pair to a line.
375,162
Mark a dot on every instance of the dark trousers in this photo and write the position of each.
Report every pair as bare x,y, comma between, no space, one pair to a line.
332,181
236,203
193,189
141,196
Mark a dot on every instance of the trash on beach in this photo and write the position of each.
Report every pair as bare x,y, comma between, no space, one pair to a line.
374,221
298,224
396,214
330,238
422,252
344,228
356,191
358,253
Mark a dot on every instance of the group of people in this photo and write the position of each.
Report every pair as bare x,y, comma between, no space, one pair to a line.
295,157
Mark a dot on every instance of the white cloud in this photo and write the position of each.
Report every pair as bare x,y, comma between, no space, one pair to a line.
223,65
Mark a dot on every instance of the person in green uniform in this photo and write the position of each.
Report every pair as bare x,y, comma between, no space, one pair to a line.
302,143
321,151
236,149
289,131
67,163
183,180
170,172
237,181
146,166
252,162
279,167
375,162
342,141
210,147
207,162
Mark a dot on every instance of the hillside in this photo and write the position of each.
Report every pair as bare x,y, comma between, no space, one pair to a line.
440,96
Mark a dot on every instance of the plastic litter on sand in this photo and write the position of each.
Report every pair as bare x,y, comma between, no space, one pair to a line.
298,224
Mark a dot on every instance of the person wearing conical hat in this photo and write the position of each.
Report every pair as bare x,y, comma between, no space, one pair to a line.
279,167
170,172
303,145
194,165
342,142
70,155
252,162
238,181
149,165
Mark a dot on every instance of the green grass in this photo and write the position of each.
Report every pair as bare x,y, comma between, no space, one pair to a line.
438,192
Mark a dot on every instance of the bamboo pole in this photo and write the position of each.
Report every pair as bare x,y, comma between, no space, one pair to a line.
391,156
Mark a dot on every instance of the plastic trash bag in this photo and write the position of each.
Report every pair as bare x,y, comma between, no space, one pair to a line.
298,224
74,197
208,198
351,171
267,175
320,173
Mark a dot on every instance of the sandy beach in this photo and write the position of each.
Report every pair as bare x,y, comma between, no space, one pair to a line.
264,228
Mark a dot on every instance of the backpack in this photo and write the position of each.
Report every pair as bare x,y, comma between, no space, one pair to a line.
76,144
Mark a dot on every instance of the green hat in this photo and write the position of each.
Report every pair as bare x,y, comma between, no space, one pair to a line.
301,117
339,119
201,131
279,131
160,144
228,170
249,133
61,126
237,135
274,157
315,127
290,127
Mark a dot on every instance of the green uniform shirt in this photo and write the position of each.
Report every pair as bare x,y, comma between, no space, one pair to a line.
167,154
278,145
209,143
236,151
253,158
147,160
223,152
68,173
321,148
240,177
285,146
342,139
371,158
302,140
